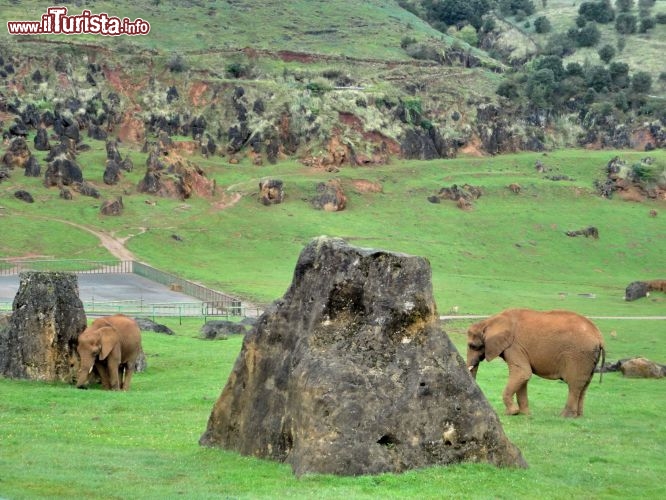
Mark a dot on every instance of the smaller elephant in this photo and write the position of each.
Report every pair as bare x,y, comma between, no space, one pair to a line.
110,346
556,345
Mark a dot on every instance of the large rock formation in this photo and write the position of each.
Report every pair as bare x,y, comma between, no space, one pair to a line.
350,373
45,323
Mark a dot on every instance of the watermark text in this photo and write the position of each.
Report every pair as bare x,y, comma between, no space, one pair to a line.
56,22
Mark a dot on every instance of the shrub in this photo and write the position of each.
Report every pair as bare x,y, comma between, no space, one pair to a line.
542,25
468,35
588,36
407,41
598,78
647,23
625,23
606,53
641,82
560,44
600,11
619,73
624,5
176,64
661,18
574,69
508,89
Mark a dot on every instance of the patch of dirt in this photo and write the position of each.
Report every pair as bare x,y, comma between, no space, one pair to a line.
196,94
473,148
366,186
227,201
132,129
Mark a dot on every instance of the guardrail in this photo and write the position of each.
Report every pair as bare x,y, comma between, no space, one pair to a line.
213,302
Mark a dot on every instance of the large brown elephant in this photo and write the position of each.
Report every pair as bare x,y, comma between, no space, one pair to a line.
553,345
110,345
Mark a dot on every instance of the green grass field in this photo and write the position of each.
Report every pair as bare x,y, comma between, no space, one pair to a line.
510,250
59,442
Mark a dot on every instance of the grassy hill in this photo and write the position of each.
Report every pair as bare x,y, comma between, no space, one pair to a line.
509,250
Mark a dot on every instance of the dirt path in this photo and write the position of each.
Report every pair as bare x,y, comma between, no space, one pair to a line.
115,246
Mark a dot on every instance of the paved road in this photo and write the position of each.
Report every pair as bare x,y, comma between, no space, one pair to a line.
108,287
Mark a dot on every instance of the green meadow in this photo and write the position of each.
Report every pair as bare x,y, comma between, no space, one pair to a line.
508,250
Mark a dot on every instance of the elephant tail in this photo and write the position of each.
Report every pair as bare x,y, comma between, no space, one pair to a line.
603,362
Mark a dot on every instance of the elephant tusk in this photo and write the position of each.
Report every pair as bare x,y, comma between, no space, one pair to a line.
470,368
91,369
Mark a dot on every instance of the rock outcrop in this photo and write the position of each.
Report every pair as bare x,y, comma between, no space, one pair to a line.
330,197
47,318
271,191
350,373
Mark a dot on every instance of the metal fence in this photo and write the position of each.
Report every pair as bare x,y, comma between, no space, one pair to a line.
213,302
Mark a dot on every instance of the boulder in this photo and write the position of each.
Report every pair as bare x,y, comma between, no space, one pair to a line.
24,196
588,232
271,191
86,189
642,368
42,140
32,168
330,197
146,324
112,207
17,154
216,329
111,174
349,373
636,290
62,172
47,318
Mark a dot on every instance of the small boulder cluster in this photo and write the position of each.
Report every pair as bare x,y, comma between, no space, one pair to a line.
463,195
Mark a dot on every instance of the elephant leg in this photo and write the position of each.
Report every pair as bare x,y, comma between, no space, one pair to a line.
581,399
574,405
521,395
103,374
114,382
127,379
518,378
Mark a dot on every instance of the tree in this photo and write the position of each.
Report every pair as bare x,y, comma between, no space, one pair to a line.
600,11
588,36
542,25
624,5
641,82
598,78
606,53
619,74
625,23
647,23
457,12
553,63
540,88
574,69
560,44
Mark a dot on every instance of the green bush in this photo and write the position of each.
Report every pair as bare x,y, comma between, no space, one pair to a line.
625,24
601,12
646,24
641,82
542,25
606,53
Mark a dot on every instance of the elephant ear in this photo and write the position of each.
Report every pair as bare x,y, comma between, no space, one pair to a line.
498,336
109,341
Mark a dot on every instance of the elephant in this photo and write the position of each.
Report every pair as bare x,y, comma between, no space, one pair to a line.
110,346
553,345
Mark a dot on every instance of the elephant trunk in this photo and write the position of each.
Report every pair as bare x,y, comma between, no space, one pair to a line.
82,377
